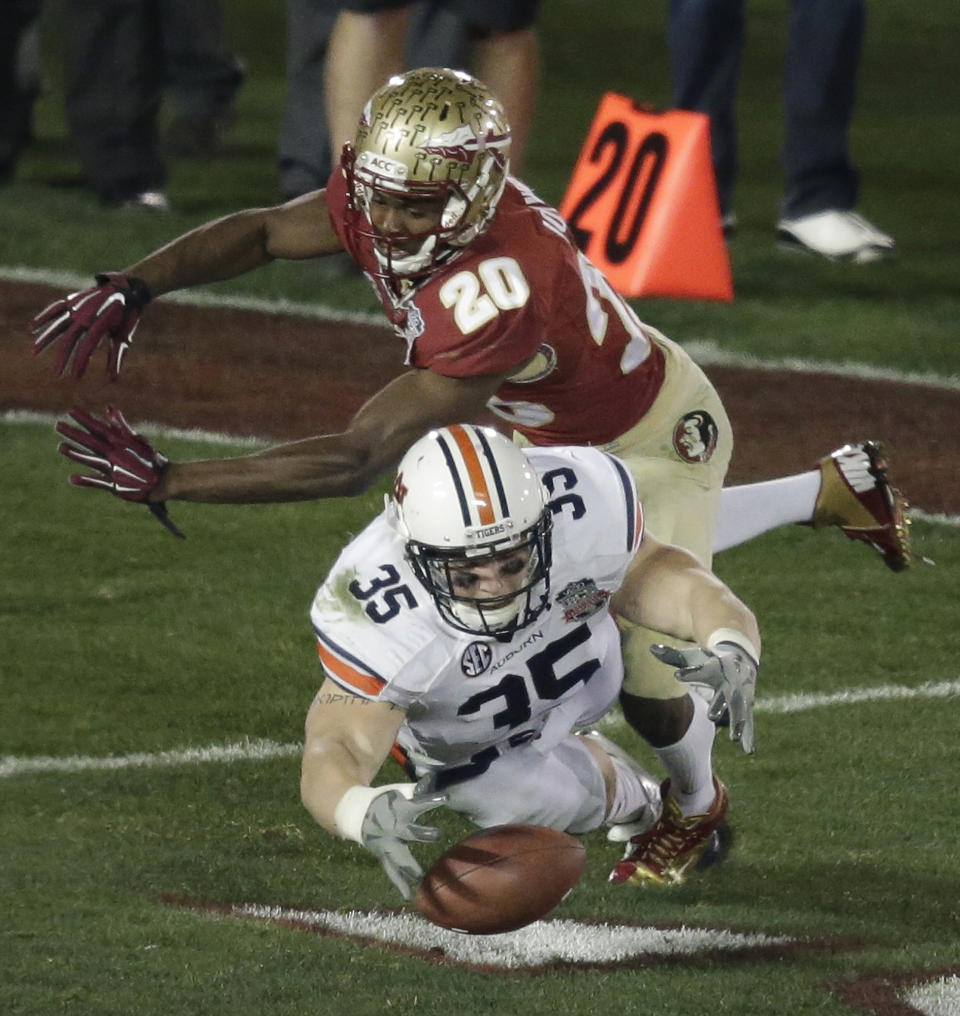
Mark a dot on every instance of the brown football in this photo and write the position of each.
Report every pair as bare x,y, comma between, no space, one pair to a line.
500,879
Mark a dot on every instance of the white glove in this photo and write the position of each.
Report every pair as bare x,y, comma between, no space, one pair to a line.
389,823
732,674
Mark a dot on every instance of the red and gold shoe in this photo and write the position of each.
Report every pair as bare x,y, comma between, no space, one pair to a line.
857,497
665,854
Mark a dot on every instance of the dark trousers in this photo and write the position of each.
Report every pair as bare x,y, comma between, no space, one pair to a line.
824,39
17,90
121,55
436,40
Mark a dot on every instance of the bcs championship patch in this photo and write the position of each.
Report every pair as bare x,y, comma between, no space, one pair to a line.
695,436
581,599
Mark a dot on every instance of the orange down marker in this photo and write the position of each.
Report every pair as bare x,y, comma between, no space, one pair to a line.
642,203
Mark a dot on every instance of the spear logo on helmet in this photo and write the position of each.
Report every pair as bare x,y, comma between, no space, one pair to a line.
464,146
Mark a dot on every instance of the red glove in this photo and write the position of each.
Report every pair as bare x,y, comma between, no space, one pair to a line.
81,320
126,464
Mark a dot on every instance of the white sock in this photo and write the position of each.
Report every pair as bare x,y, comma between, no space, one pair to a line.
689,762
754,508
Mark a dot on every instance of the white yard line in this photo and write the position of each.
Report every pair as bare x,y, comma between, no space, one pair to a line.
242,751
157,430
260,749
801,703
150,429
707,353
704,351
196,298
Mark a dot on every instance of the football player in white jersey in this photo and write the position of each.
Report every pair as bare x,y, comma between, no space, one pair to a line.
470,630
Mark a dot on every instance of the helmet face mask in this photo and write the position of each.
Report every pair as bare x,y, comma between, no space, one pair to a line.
470,507
429,133
404,253
497,616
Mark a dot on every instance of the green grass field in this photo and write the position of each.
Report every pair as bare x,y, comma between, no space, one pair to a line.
121,644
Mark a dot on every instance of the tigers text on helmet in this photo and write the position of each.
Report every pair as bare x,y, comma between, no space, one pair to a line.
467,497
431,133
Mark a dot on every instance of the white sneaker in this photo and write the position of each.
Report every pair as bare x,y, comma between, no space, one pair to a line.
837,235
148,201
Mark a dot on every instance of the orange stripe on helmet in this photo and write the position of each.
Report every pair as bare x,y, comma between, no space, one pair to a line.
348,675
638,527
481,492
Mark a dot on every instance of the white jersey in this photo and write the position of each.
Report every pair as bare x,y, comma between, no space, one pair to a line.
469,697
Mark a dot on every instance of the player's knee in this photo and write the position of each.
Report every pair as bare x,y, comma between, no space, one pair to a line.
644,675
660,722
588,785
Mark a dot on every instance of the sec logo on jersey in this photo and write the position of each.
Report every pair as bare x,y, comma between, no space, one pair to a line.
475,659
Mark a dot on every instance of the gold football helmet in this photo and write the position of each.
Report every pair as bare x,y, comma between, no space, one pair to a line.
429,133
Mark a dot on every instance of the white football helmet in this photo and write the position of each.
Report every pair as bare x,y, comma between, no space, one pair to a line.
464,494
429,133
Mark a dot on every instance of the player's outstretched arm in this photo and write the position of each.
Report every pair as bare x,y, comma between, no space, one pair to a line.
238,243
346,741
668,590
334,465
108,312
121,461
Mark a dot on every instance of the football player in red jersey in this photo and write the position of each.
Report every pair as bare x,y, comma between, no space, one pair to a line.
499,311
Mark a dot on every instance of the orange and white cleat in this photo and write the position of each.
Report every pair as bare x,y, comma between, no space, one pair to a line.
857,497
676,844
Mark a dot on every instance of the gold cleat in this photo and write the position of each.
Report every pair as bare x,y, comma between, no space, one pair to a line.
677,843
857,497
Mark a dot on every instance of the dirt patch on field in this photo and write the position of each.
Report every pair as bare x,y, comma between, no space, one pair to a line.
251,373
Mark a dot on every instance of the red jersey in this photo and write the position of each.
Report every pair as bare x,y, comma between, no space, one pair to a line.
522,299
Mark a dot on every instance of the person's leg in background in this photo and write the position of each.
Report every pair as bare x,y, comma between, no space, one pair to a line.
509,64
434,38
304,151
366,46
19,79
824,47
706,39
113,88
202,76
824,42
